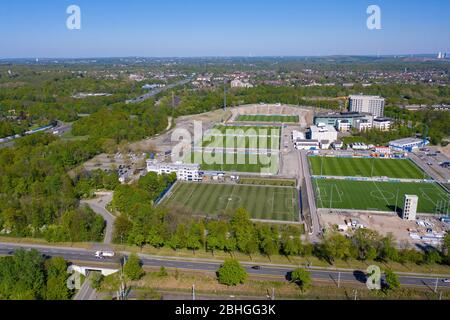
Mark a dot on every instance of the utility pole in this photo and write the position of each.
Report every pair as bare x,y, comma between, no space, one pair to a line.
356,295
436,285
339,280
273,294
193,292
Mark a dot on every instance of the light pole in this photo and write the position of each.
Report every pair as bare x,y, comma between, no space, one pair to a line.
396,201
373,162
331,198
321,167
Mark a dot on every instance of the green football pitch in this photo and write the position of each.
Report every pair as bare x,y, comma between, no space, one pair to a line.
379,196
250,149
232,162
262,202
364,167
268,118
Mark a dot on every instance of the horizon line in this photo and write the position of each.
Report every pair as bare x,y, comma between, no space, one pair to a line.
225,56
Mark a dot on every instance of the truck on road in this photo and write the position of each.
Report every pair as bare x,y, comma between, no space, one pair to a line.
104,254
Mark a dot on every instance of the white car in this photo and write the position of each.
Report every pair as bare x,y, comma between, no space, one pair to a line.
446,280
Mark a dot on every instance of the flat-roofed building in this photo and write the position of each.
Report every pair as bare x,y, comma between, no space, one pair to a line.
333,118
407,144
364,125
344,126
382,124
184,171
323,133
370,104
306,144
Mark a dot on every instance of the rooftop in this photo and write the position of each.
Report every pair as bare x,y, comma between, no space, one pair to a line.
342,115
406,141
361,96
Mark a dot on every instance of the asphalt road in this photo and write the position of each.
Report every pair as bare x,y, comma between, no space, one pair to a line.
86,292
159,90
98,205
277,272
316,227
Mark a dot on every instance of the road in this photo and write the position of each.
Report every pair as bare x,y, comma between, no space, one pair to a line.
316,227
98,205
267,271
60,127
86,291
435,171
159,90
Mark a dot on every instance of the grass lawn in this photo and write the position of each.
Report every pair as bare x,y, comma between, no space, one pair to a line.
243,145
230,162
268,118
268,182
263,202
269,142
352,167
377,196
251,129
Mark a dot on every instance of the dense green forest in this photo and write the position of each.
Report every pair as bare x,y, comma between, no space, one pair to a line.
120,125
37,197
27,275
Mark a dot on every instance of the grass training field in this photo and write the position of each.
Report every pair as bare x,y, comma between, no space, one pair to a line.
239,149
353,167
268,118
263,202
378,196
251,163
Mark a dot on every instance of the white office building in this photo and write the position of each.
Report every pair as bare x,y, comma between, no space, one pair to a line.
325,134
185,172
382,124
370,104
344,126
364,125
410,207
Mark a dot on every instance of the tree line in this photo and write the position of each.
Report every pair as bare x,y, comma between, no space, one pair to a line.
38,197
27,275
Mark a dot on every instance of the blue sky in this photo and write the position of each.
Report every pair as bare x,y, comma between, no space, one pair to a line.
112,28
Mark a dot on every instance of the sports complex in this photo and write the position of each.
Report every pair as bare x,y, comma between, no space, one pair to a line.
352,192
262,202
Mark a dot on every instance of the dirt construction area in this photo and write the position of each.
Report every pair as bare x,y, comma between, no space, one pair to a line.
163,143
384,224
305,114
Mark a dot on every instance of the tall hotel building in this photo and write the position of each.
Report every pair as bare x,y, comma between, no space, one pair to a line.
369,104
